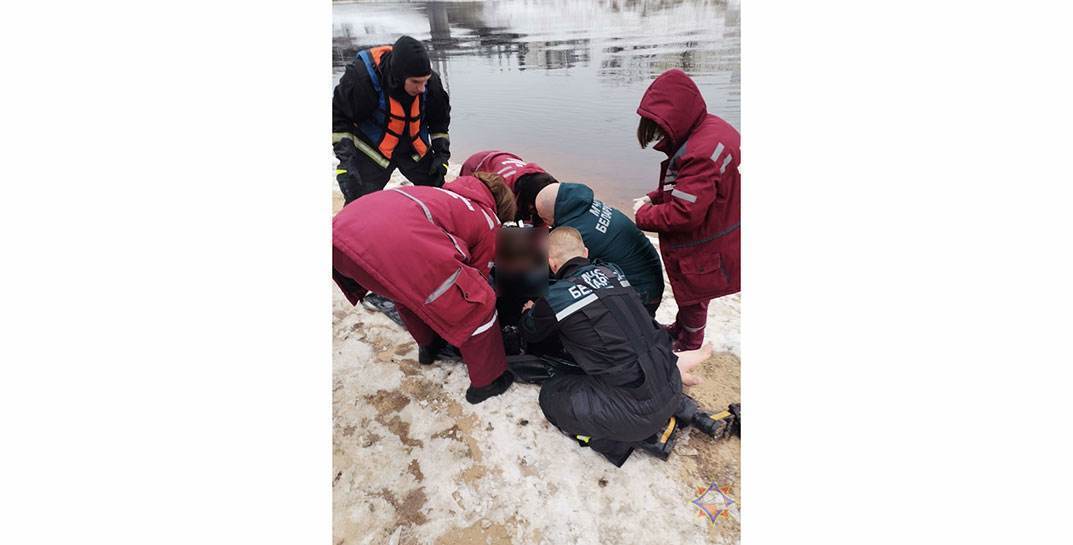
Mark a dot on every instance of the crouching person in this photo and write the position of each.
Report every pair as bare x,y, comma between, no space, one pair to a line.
631,386
608,233
430,250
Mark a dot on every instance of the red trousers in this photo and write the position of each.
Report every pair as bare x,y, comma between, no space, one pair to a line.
484,355
690,324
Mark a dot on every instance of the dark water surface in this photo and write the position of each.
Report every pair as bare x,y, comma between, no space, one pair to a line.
558,82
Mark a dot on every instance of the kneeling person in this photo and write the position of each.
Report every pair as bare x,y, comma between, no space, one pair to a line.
631,386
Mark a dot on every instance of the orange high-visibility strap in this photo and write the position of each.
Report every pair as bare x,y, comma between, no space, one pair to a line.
395,126
378,52
415,127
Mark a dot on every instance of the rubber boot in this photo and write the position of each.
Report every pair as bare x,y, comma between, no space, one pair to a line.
661,444
498,386
722,424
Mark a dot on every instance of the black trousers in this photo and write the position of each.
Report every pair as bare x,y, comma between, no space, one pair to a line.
555,401
359,175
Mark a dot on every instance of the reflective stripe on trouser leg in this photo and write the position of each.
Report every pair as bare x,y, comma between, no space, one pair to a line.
484,355
487,325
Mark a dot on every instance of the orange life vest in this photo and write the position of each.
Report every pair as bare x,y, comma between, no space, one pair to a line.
389,121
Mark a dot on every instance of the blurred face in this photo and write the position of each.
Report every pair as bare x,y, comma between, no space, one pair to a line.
416,86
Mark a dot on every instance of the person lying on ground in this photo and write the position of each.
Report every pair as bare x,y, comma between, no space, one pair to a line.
390,111
609,235
430,250
630,385
697,207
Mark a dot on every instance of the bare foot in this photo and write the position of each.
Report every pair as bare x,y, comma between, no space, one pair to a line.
691,380
690,359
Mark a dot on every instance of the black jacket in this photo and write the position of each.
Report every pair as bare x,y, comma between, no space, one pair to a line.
355,99
631,384
593,340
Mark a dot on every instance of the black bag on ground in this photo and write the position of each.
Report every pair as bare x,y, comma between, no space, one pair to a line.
533,369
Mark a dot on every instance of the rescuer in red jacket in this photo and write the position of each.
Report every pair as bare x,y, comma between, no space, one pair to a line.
431,250
508,165
697,208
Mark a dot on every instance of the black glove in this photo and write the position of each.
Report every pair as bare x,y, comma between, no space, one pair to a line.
513,343
344,150
346,173
441,155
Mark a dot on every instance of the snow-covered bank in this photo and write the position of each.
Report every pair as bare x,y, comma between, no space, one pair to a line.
414,463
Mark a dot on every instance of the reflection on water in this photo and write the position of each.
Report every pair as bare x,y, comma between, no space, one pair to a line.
558,82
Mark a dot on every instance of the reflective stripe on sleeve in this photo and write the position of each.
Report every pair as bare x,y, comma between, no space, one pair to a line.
725,163
683,195
455,242
718,151
374,155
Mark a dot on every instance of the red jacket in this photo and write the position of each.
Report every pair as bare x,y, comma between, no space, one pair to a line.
506,164
697,208
431,248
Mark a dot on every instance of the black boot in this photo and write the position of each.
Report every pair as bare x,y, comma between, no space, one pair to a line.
498,386
661,444
616,452
723,424
735,409
427,354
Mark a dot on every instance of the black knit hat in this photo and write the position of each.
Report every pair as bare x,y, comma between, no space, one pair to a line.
409,59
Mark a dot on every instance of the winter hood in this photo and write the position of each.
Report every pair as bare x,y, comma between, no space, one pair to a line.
674,102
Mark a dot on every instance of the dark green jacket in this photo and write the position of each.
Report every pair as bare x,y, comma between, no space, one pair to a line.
610,236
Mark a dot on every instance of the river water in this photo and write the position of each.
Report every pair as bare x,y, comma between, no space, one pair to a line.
558,82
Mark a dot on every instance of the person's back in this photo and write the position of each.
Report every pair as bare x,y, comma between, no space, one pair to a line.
429,250
610,236
593,303
503,163
631,384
